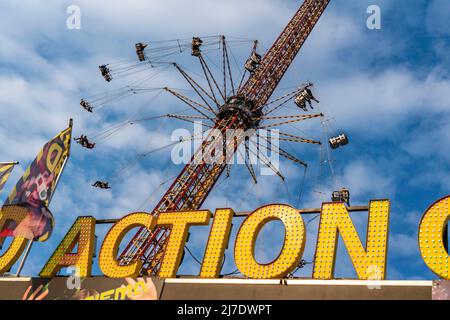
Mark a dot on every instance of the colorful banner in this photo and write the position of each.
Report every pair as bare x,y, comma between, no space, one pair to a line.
73,288
5,172
35,190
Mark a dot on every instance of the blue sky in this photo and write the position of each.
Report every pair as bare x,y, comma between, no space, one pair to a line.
388,89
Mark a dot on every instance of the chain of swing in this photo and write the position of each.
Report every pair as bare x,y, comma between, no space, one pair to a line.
151,56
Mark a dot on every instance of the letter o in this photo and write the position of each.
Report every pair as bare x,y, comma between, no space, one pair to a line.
293,247
53,161
431,237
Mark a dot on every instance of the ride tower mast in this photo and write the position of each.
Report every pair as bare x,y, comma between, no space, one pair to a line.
243,110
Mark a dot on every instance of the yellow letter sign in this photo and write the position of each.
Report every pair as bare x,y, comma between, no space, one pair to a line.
110,247
81,233
179,223
431,236
217,243
335,219
15,213
291,253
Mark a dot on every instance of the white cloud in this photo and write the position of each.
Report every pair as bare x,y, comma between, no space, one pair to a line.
379,104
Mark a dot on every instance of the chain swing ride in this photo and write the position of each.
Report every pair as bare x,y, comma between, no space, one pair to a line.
222,104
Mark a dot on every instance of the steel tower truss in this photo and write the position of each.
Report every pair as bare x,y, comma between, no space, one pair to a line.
194,183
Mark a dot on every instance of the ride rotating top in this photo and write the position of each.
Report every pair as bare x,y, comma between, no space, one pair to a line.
243,110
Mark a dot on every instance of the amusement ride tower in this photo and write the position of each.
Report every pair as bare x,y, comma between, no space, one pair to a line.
244,108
